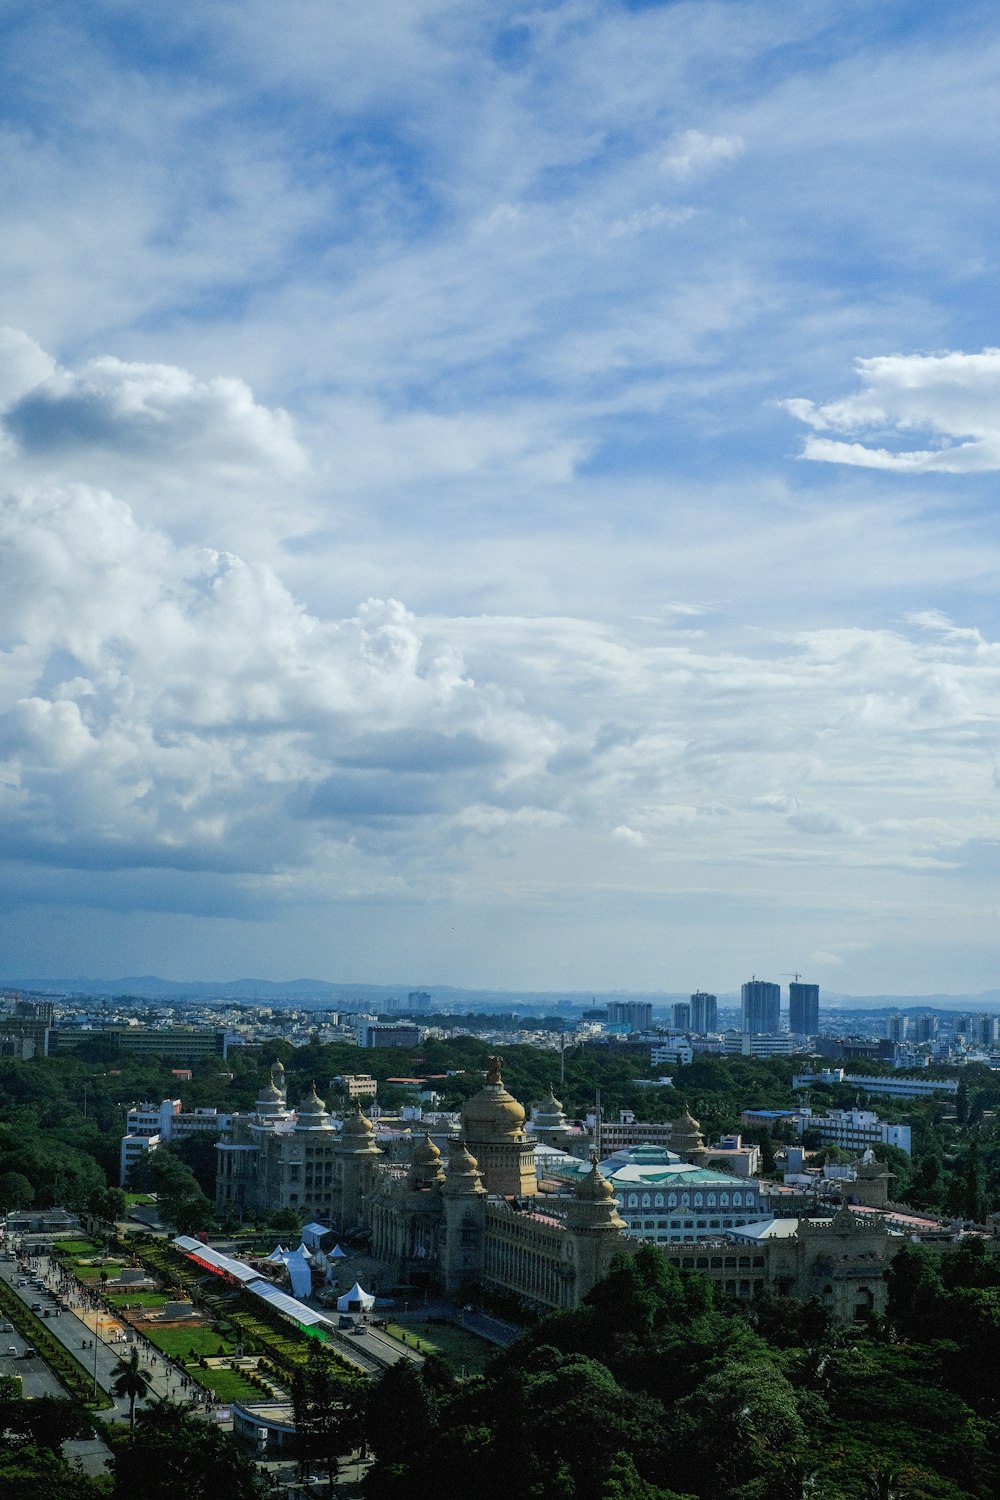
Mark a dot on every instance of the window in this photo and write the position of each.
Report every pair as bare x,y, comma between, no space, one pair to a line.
633,1200
672,1200
711,1200
646,1200
737,1198
724,1200
658,1201
697,1200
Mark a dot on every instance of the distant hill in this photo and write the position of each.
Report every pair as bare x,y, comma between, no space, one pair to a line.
323,994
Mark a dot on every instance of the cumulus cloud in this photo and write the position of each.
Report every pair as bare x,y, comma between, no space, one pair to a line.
148,411
691,152
953,398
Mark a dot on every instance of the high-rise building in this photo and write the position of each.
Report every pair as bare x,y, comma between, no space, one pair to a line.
680,1015
637,1015
897,1028
803,1009
925,1028
704,1012
761,1009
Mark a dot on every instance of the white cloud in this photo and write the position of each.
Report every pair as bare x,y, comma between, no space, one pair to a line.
691,152
156,412
953,397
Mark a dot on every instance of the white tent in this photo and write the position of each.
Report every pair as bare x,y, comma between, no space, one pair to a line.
277,1256
356,1300
300,1275
337,1254
314,1234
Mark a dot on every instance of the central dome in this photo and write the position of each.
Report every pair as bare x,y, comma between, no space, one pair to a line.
493,1111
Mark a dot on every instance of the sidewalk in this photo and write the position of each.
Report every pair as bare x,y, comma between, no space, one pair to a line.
98,1339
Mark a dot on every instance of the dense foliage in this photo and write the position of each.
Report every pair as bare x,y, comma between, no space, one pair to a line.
651,1391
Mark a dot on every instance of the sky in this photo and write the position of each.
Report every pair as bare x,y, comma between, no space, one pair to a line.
501,495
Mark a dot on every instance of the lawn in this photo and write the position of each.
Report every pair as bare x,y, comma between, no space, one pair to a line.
456,1346
178,1342
77,1247
228,1385
93,1273
137,1299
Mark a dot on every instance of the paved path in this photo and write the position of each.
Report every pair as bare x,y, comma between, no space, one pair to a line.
77,1324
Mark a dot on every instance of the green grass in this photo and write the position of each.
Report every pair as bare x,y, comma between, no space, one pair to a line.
139,1200
93,1273
229,1385
138,1299
456,1346
77,1247
178,1342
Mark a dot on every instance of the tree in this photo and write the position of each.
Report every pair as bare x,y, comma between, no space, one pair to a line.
321,1422
173,1454
16,1191
132,1383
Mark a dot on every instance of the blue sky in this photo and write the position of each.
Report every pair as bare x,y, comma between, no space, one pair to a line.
501,496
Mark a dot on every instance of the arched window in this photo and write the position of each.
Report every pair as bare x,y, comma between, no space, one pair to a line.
671,1200
737,1198
711,1200
724,1200
697,1200
646,1200
658,1200
633,1200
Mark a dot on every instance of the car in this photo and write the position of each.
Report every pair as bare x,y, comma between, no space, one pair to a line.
36,1307
11,1351
22,1281
359,1328
29,1353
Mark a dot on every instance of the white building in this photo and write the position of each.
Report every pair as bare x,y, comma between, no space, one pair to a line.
760,1043
148,1126
854,1129
898,1088
668,1201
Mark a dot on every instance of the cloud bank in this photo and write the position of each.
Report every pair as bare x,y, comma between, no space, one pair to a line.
955,398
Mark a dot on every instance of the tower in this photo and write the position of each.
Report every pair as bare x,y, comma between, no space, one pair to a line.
704,1012
761,1006
594,1227
493,1129
463,1198
354,1153
803,1009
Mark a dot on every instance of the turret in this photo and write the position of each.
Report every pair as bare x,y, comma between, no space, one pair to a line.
464,1200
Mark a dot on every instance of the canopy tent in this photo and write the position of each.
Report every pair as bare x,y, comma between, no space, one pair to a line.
337,1254
314,1235
300,1274
277,1256
356,1300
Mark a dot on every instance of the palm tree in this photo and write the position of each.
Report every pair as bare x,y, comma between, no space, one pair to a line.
133,1382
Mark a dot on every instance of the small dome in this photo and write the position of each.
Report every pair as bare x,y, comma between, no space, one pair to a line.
686,1124
310,1112
595,1187
493,1111
357,1124
426,1153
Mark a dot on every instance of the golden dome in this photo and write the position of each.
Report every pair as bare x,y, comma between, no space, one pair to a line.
426,1153
595,1187
493,1111
357,1123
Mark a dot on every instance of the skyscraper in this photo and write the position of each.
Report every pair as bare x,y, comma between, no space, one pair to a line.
761,1006
680,1015
803,1009
704,1012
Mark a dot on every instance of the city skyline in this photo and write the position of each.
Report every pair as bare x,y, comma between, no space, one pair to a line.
504,497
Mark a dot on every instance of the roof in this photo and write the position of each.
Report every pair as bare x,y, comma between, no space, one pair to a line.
222,1265
766,1229
290,1306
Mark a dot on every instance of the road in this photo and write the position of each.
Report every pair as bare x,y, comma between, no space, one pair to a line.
74,1324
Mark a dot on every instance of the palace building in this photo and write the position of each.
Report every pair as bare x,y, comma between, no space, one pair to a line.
473,1219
